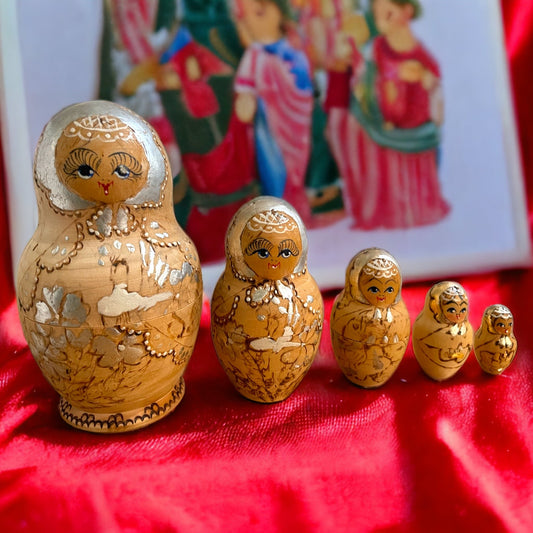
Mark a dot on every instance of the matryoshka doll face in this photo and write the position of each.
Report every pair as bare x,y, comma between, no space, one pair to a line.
390,16
100,159
380,282
503,325
263,19
454,306
271,244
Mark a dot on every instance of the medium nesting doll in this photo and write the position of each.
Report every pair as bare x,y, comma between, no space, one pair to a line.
369,321
109,287
442,335
267,311
494,342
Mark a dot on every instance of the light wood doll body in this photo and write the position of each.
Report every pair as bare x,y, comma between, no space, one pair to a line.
494,343
369,321
267,310
442,334
109,287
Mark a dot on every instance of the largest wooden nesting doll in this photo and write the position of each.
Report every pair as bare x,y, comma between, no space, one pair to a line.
267,310
109,287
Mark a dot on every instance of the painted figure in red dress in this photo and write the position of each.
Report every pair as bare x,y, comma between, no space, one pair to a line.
154,63
384,130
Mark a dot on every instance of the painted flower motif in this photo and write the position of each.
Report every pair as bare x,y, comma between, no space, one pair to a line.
60,309
52,352
117,346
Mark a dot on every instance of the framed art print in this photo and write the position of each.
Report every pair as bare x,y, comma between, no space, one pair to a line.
385,123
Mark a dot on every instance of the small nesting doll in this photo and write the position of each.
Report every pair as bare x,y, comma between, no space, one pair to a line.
267,311
369,322
109,287
442,335
494,342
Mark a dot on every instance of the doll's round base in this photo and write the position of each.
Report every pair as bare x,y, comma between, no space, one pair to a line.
122,421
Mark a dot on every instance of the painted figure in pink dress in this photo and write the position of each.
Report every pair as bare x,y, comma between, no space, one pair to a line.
384,132
275,94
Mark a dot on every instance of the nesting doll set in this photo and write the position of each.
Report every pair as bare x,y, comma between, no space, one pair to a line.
370,326
443,337
109,289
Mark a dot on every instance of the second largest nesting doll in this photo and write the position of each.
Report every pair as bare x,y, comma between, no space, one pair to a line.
267,310
109,287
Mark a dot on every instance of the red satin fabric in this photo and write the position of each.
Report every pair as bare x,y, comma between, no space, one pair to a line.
412,456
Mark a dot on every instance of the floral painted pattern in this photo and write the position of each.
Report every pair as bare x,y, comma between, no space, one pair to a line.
117,346
60,309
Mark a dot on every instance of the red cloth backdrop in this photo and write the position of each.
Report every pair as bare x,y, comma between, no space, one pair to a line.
412,456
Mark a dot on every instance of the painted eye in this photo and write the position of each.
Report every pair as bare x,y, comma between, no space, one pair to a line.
122,171
286,253
373,289
451,310
389,289
500,324
85,172
263,253
463,310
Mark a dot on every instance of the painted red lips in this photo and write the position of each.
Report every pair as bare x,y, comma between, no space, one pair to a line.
105,186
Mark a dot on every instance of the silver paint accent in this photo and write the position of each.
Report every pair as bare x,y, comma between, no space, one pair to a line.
122,301
117,244
130,247
158,267
151,253
122,219
178,275
42,313
103,250
53,297
259,293
73,309
103,222
142,248
163,276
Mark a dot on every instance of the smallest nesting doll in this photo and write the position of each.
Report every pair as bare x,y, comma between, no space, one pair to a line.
266,311
495,344
369,321
442,334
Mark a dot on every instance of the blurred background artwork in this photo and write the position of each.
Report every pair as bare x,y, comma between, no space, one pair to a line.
383,122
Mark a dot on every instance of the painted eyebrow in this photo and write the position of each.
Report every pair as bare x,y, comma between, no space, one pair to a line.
290,245
258,244
123,158
81,156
